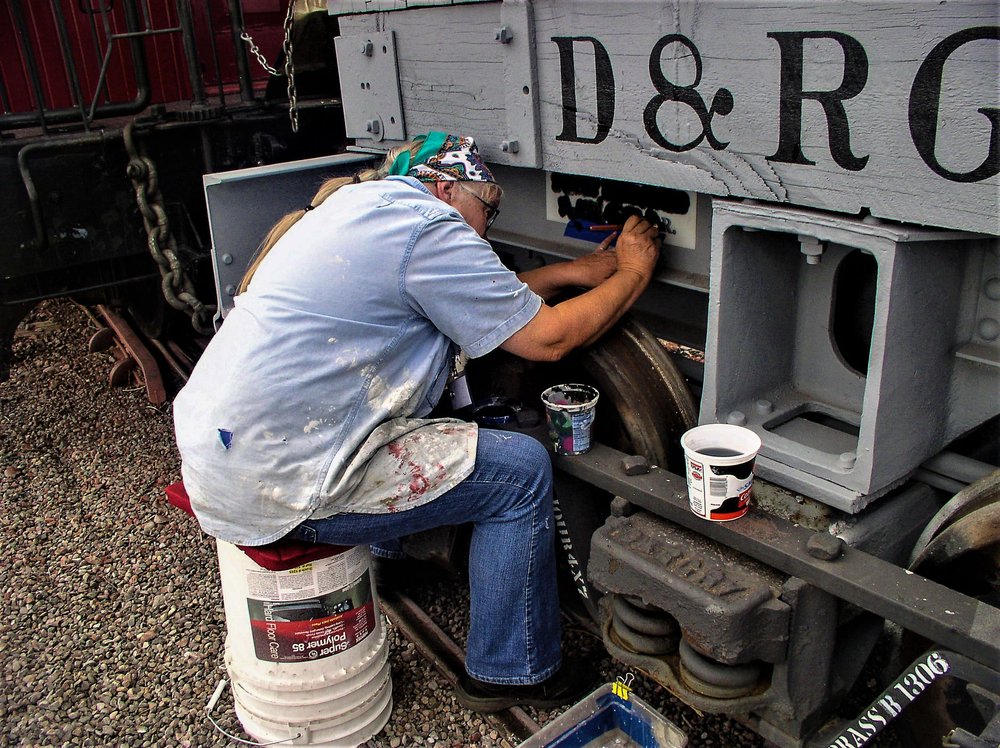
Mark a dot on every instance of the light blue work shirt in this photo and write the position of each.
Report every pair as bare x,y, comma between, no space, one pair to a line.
311,399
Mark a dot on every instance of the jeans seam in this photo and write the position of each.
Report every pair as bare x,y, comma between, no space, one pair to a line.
529,639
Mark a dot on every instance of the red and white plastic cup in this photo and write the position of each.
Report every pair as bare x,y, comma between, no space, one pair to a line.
719,461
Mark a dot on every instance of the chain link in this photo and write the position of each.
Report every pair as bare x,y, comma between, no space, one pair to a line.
255,51
176,284
286,46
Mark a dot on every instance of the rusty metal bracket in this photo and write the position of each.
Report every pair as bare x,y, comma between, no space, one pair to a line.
131,353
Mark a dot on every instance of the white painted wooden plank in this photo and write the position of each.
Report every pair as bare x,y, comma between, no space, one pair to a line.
452,74
452,78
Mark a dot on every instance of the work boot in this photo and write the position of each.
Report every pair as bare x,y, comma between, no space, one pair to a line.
570,683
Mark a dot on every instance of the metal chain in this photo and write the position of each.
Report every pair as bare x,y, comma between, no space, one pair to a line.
176,284
255,51
293,104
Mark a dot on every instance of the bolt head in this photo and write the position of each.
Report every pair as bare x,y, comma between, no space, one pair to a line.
824,547
635,465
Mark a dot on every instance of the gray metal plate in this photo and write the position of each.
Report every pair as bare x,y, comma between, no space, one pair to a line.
243,205
369,86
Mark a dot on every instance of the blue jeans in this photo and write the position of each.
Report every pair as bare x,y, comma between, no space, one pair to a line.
514,631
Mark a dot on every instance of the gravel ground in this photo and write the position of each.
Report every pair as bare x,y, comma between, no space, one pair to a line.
113,628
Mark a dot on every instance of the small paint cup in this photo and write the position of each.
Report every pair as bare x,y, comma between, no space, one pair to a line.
569,411
719,460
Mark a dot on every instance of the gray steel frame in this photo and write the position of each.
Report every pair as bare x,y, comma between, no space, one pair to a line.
949,618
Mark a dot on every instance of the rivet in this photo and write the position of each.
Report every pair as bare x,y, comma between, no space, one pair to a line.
988,328
227,259
231,290
737,418
763,407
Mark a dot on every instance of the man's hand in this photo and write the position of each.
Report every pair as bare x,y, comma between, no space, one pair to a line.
595,268
637,251
638,247
556,330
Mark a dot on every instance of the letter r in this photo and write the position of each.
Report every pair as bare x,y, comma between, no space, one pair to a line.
792,95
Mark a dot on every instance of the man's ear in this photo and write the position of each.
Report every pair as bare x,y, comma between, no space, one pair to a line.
444,191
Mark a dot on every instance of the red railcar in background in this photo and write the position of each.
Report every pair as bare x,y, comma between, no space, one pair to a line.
68,55
113,110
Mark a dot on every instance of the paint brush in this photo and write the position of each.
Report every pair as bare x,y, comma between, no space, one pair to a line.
605,227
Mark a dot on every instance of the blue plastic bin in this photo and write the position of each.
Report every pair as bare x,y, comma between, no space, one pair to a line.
605,719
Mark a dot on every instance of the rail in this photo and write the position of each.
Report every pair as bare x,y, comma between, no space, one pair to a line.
446,656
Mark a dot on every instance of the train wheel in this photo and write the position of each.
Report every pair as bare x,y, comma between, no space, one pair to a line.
645,405
961,550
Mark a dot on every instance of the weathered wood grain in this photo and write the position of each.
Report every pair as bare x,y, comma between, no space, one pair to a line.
863,58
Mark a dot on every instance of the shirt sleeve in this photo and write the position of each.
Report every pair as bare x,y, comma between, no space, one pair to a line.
454,278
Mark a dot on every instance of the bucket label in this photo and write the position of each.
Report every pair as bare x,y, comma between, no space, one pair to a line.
574,436
720,492
313,611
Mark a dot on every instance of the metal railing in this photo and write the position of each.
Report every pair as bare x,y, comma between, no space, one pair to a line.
97,44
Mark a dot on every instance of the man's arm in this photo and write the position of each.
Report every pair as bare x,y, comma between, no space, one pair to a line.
556,330
584,272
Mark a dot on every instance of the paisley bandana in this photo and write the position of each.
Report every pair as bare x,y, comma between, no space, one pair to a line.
444,158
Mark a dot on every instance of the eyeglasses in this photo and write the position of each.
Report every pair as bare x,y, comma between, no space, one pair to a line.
492,211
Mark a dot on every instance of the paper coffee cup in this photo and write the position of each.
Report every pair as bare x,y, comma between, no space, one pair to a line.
569,411
719,460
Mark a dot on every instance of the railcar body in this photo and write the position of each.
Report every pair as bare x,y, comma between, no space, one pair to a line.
826,178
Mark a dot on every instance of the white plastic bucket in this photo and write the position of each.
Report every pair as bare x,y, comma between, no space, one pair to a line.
719,460
570,411
306,650
349,731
